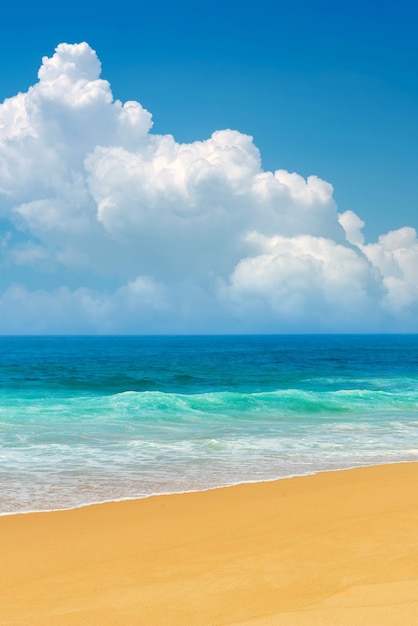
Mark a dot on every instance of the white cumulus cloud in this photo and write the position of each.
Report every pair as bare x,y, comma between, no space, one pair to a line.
305,281
108,227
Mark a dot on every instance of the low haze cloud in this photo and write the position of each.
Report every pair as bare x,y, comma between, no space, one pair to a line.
107,227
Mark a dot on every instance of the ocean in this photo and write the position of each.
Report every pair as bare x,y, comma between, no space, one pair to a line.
93,419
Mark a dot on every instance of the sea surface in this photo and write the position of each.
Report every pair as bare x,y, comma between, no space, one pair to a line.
91,419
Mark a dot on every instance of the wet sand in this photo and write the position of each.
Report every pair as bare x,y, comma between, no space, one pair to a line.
338,548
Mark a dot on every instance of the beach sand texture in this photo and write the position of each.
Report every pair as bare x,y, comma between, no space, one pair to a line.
338,548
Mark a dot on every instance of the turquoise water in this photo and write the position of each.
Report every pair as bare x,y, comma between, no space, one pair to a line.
89,419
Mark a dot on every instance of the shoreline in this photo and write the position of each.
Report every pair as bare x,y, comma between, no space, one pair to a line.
333,548
135,498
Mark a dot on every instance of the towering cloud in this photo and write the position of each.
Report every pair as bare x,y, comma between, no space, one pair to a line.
108,227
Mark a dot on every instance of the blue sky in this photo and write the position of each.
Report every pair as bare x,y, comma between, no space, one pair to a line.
324,89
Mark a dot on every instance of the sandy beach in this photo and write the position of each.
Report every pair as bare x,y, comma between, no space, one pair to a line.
335,548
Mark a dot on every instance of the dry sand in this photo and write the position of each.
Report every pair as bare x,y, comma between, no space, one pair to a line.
334,549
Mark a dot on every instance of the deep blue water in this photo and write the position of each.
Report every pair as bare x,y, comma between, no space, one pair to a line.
87,419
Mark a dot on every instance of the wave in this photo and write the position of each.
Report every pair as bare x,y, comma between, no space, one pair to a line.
169,407
273,404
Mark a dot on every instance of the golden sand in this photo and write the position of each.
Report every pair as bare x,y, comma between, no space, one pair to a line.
338,548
